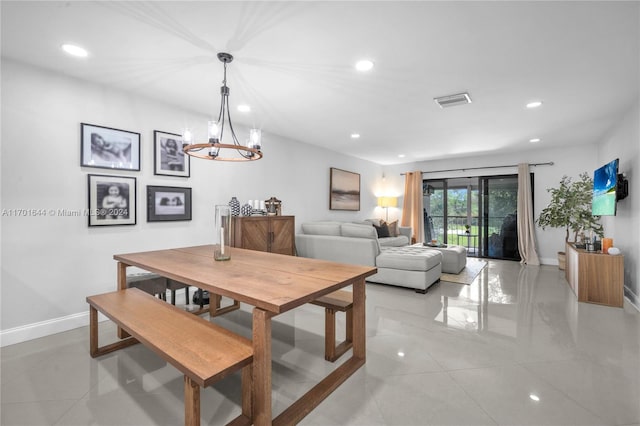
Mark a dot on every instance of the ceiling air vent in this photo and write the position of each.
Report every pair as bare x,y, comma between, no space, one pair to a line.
453,100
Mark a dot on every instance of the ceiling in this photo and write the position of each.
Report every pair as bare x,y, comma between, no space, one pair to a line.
294,65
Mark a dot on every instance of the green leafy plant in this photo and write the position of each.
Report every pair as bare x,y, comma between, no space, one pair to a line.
570,207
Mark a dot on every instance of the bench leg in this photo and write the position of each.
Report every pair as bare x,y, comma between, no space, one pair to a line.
247,401
332,351
214,306
94,349
191,402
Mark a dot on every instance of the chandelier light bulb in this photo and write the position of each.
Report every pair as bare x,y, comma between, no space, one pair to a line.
255,139
187,136
213,131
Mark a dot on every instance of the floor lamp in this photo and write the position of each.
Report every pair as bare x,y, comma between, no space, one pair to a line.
386,202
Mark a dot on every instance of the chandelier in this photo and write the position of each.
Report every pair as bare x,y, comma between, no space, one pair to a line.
214,149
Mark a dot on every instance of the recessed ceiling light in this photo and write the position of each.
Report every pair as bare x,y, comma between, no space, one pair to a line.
244,108
355,135
401,156
534,104
364,65
534,140
401,354
534,397
74,50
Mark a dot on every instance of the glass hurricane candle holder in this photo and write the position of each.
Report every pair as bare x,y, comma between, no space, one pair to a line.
223,233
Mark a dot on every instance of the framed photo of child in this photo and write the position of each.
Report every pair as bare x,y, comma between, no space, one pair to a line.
112,200
168,157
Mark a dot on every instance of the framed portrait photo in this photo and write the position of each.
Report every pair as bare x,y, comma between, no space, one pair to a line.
107,148
168,203
344,193
169,158
112,200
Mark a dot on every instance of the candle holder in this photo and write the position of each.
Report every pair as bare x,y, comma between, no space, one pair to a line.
223,233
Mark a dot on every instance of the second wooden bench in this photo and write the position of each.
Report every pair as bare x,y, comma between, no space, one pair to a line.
202,351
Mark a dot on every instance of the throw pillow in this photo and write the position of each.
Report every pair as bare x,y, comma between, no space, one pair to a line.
393,228
382,230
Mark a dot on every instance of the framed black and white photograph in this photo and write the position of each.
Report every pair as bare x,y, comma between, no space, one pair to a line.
168,203
169,158
107,148
344,191
112,200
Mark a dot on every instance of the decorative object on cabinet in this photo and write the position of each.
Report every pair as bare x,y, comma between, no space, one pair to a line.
344,193
168,157
275,234
246,210
108,148
112,200
234,205
273,207
168,203
595,277
214,149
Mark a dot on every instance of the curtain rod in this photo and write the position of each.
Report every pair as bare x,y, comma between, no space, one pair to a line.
550,163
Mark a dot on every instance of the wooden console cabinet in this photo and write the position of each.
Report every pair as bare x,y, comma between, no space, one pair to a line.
595,277
274,234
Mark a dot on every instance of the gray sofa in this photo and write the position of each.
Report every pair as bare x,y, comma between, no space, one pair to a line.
358,243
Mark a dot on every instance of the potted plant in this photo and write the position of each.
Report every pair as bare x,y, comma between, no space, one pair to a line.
570,208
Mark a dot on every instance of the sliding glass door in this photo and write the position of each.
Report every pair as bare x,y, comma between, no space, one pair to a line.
500,196
478,213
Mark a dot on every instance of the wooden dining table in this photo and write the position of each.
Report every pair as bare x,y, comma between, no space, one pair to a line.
272,284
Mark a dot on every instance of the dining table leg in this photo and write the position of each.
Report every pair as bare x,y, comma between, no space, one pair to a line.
122,285
359,320
262,367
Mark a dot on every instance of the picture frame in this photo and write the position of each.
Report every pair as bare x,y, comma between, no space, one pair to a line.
168,203
168,157
109,148
112,200
344,192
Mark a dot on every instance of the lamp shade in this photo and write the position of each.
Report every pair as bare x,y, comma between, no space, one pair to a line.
387,201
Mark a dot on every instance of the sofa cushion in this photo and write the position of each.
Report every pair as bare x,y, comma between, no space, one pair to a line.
393,228
382,230
408,258
321,228
358,231
399,241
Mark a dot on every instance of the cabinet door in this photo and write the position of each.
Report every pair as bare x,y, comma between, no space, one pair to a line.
255,233
282,235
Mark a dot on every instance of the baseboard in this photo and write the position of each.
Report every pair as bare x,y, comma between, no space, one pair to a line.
549,261
36,330
632,298
43,328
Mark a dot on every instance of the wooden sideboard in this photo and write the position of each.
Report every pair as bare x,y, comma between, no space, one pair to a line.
273,234
595,277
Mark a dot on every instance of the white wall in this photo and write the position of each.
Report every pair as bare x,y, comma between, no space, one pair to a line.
51,263
623,142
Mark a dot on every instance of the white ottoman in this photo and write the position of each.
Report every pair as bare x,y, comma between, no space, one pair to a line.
454,258
412,267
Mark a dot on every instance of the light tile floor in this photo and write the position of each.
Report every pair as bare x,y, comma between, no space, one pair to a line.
459,355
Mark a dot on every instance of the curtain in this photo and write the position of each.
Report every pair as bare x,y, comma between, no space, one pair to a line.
526,227
412,208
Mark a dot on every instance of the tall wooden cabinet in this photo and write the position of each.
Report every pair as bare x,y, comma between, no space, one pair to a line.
595,277
274,234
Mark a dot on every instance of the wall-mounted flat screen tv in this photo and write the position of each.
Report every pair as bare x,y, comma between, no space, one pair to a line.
605,183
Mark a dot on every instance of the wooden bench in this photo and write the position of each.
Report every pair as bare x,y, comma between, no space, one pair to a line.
202,351
337,301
